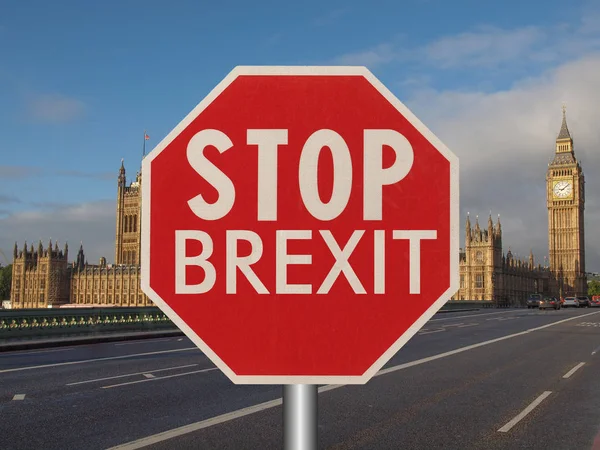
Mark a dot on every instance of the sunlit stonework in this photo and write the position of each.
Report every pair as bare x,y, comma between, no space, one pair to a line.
43,277
487,274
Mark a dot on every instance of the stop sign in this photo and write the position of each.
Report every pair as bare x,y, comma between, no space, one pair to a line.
300,225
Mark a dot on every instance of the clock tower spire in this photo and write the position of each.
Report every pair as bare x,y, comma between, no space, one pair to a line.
565,201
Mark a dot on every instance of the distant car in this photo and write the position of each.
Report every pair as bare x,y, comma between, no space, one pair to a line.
595,302
584,301
549,302
570,301
533,301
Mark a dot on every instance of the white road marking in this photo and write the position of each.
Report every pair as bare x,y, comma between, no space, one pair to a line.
39,351
474,315
573,370
160,437
429,332
453,325
179,340
506,428
148,375
145,341
131,374
19,397
468,325
140,443
471,347
595,351
43,366
159,378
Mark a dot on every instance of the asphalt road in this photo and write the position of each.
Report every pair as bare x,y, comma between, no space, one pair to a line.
510,379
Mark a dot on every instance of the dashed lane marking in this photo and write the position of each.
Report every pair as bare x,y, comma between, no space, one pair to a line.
148,375
19,397
506,428
159,378
573,370
186,429
429,332
43,366
132,374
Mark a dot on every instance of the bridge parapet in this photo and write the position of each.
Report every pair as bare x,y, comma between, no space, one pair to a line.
68,322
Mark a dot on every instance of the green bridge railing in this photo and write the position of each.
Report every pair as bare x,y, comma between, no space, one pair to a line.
25,324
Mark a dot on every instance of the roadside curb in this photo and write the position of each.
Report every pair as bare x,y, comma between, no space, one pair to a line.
82,340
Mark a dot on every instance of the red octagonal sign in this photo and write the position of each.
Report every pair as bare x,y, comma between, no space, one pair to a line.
300,225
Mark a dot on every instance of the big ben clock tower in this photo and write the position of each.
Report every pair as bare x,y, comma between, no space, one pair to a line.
565,201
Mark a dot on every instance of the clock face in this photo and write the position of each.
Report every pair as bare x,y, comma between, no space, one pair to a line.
563,189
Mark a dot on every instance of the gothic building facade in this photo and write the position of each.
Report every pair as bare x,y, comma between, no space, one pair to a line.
44,278
486,273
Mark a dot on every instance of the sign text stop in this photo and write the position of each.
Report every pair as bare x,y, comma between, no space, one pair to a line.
300,225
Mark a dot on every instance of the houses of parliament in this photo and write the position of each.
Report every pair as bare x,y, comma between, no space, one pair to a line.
43,277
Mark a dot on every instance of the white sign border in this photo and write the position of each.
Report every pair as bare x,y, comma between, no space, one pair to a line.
454,223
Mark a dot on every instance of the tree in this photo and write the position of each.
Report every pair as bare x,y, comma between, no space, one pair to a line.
5,281
593,288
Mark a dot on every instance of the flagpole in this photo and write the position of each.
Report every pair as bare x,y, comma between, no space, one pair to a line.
144,151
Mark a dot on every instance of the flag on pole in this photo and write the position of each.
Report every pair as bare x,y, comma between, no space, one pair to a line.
146,137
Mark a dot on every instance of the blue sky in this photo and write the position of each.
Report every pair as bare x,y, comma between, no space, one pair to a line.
81,81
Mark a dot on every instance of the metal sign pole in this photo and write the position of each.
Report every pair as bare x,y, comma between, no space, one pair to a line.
300,418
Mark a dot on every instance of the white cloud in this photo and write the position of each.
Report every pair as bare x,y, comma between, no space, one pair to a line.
55,108
376,56
484,47
4,199
504,141
330,17
21,172
93,223
488,47
17,172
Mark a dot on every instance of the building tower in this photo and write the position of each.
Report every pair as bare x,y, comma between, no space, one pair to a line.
483,258
129,206
39,277
565,202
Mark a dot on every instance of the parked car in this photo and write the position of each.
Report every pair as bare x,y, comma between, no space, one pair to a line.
533,301
595,302
549,302
584,301
570,301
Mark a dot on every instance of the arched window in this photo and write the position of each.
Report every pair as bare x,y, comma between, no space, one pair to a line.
126,224
479,281
135,223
